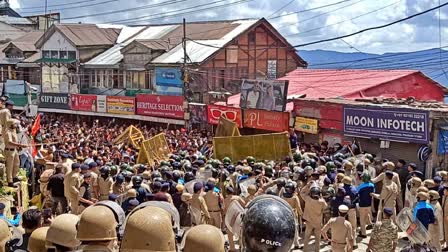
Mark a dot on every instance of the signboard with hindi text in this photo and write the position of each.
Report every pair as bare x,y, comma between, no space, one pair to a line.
393,124
266,120
306,125
120,105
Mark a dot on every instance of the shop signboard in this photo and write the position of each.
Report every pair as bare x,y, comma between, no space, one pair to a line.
54,101
168,81
160,106
101,103
266,120
393,124
82,102
306,125
120,105
214,112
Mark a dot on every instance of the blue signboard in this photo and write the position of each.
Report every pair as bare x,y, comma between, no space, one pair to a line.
168,81
394,124
442,146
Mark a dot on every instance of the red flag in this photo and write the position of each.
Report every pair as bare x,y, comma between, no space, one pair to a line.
36,125
33,145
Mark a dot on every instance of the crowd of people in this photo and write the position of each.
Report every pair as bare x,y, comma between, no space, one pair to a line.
94,196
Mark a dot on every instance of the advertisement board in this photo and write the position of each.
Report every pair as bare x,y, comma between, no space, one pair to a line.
54,100
101,103
394,124
306,125
442,143
198,113
120,105
264,94
168,81
82,102
160,105
214,113
266,120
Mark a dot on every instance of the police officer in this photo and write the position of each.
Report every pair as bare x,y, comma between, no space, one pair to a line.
291,197
98,228
389,194
137,185
5,115
72,183
5,234
11,150
85,193
105,183
214,202
384,235
61,235
365,202
36,242
267,225
313,214
436,228
199,209
118,187
423,211
204,238
341,231
351,192
152,223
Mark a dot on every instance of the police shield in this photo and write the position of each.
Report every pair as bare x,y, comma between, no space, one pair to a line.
233,218
245,184
189,186
414,229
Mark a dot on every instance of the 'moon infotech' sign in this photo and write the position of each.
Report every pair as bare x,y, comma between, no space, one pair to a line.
395,124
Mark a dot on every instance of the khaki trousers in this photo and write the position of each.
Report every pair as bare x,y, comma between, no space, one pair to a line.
434,236
74,204
445,230
312,230
338,247
215,219
365,218
352,218
12,164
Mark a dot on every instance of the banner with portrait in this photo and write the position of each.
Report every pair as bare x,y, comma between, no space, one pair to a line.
264,94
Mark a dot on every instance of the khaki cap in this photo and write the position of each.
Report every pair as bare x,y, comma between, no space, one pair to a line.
429,183
443,174
347,180
131,193
422,189
423,196
186,197
389,165
434,195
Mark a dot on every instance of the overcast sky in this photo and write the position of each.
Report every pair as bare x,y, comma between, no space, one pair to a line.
346,17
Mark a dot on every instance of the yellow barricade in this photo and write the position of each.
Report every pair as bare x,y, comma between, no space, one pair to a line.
227,128
131,135
154,149
262,147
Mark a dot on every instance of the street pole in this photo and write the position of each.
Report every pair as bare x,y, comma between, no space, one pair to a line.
185,75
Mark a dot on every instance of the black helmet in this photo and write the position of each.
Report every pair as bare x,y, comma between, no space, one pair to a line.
289,190
315,192
137,180
313,163
189,176
105,171
231,168
155,174
268,225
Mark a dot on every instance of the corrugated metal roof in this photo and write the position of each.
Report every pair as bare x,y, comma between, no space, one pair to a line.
333,83
113,55
89,34
209,34
154,44
15,20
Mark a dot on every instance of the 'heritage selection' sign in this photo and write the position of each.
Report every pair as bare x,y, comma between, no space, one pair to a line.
395,124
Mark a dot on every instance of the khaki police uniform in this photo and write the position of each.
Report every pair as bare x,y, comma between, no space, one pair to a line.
11,152
388,198
105,187
214,201
5,115
445,218
341,234
72,184
199,210
295,205
312,215
435,229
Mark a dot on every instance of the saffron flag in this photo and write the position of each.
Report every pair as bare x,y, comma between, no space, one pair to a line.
36,125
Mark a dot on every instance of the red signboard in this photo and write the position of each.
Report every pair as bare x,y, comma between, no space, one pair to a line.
214,112
266,120
83,102
160,105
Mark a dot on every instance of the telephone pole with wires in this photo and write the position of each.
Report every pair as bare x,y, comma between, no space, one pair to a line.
185,78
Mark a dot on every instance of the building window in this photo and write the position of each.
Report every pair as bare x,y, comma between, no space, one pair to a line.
232,54
251,37
222,80
272,69
46,54
54,54
71,54
63,54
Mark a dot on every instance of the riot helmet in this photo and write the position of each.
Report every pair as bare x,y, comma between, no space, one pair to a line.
36,242
203,238
62,231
